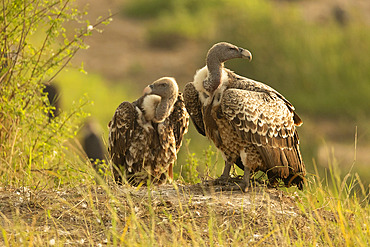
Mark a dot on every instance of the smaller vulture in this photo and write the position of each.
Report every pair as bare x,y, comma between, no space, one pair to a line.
252,124
145,135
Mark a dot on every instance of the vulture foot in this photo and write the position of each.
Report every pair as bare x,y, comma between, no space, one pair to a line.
231,184
226,180
234,184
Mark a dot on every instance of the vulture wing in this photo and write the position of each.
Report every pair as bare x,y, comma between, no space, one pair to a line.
265,120
194,107
121,128
179,119
241,82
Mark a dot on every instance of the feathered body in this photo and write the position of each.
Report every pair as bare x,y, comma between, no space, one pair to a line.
252,124
145,135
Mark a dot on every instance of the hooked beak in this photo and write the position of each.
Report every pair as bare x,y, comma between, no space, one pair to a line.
245,54
148,90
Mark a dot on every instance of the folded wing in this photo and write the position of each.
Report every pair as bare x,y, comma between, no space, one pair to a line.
121,128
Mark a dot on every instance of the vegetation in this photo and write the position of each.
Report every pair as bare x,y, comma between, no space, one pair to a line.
327,70
35,47
49,196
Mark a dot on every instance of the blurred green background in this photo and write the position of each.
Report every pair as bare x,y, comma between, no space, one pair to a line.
316,53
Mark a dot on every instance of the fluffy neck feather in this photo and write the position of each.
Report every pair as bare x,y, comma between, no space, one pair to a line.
201,76
157,109
150,103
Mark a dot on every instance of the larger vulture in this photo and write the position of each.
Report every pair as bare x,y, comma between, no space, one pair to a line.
145,135
252,124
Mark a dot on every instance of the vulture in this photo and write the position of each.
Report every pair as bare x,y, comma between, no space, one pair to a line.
252,124
145,135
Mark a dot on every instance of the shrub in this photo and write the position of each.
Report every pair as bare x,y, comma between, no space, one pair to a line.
36,46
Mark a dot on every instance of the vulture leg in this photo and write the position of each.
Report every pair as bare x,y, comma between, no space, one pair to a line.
226,173
225,176
170,172
233,184
240,184
245,183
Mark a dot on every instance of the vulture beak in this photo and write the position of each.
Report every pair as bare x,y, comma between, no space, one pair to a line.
245,54
148,90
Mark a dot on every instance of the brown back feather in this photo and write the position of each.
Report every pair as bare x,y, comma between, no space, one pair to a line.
194,107
179,120
120,130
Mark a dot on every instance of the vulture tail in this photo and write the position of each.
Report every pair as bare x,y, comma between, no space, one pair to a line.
285,164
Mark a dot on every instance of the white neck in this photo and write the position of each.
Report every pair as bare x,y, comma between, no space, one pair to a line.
202,75
150,104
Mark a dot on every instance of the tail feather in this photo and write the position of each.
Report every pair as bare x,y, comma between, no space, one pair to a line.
285,164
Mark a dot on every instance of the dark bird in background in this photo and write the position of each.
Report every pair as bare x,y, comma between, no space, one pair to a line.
53,94
145,135
92,142
252,124
340,15
91,138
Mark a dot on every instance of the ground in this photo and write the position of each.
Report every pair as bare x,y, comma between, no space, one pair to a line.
83,214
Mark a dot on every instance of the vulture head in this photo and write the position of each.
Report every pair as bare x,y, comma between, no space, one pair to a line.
160,96
217,55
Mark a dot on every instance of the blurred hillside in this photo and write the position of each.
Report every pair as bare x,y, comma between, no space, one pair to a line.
314,52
